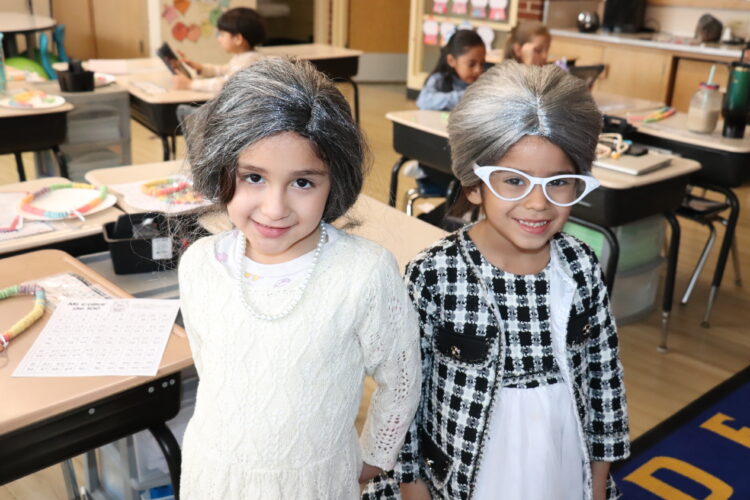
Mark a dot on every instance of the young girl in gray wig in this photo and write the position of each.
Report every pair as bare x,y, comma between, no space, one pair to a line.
523,394
285,313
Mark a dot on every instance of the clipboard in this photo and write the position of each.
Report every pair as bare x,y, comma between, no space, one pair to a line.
171,61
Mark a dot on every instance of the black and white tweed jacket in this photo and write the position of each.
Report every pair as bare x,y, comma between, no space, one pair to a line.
462,365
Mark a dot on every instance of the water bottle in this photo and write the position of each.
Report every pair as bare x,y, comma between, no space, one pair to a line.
737,101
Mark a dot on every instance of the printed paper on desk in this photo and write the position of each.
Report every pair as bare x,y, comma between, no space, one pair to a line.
101,338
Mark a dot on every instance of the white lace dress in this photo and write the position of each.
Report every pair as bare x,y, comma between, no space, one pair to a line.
277,401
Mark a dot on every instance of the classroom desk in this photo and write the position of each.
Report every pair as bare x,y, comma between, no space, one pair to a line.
47,420
153,103
725,166
422,135
70,235
339,63
156,107
34,130
19,23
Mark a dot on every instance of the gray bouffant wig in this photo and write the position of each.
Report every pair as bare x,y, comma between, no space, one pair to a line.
273,96
511,101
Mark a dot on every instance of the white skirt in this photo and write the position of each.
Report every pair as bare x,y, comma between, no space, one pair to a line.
533,451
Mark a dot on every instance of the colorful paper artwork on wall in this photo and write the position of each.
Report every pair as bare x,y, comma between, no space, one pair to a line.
498,10
430,30
459,7
479,8
440,6
193,20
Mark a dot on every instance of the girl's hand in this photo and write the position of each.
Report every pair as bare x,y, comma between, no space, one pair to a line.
195,65
417,490
180,82
369,472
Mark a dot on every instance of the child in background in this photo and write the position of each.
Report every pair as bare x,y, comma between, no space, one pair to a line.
523,394
285,313
460,64
528,43
241,30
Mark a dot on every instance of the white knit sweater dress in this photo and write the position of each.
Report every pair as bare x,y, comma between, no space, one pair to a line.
277,400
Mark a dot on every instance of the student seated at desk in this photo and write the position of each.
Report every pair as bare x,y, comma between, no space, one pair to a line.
460,64
240,31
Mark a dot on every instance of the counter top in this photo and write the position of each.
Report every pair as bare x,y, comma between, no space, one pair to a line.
660,41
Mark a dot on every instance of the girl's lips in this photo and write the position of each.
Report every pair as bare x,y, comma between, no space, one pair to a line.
533,226
270,231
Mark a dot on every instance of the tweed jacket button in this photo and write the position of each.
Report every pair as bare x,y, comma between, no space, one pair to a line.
456,352
430,462
587,328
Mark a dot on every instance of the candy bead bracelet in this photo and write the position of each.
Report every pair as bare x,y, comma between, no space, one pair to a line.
26,205
36,312
171,190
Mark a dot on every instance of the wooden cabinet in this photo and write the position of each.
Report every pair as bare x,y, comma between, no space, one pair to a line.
635,72
425,50
104,28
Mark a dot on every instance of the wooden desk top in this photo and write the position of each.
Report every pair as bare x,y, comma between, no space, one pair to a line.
27,400
19,22
675,129
310,51
20,112
436,122
65,230
163,92
133,173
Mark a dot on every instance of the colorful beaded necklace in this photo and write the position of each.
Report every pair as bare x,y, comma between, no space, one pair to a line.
36,312
172,190
26,205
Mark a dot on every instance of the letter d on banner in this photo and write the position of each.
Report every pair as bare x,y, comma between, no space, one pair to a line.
643,477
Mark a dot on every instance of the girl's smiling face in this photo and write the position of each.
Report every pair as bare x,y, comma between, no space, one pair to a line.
534,52
469,65
514,235
281,192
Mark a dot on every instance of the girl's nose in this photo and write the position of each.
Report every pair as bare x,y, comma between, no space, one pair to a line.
274,204
536,200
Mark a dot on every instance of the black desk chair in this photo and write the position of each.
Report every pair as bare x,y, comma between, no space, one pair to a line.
706,211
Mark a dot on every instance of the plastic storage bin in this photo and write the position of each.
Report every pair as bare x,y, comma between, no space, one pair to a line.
140,243
640,241
634,293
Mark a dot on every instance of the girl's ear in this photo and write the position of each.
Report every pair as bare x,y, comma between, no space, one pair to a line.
451,61
474,194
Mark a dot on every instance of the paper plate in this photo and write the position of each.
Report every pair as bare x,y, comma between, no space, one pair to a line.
48,101
68,199
103,79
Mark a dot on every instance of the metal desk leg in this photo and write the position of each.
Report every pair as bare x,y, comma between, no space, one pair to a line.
71,485
610,267
172,454
726,245
668,294
61,161
165,147
394,180
19,167
174,146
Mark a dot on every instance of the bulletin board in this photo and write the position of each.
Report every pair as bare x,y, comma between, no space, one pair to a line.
190,26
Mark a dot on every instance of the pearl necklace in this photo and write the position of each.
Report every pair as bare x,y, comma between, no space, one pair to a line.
272,317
